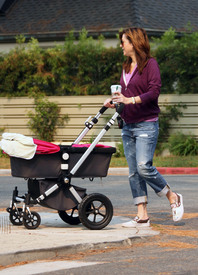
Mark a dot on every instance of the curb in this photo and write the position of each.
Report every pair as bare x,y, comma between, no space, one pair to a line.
6,172
178,170
55,252
162,170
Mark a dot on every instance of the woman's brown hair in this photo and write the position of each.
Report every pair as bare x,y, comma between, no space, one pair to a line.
139,39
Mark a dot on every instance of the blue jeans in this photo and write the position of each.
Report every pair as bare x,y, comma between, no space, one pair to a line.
139,141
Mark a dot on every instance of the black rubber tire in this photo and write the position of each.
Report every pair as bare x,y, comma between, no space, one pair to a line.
32,221
16,217
68,216
95,211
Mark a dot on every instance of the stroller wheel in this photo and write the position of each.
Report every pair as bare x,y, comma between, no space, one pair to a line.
69,216
95,211
32,220
15,216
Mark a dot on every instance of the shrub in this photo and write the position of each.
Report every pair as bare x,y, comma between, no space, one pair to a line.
83,68
178,61
3,155
171,112
46,118
88,68
22,70
119,150
180,144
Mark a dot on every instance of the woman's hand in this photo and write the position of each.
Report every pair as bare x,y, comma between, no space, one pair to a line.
120,98
108,103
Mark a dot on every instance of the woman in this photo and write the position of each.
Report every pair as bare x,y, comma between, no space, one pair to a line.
141,82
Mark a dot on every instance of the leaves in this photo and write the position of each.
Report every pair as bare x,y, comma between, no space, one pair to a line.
183,145
178,59
44,121
82,68
87,67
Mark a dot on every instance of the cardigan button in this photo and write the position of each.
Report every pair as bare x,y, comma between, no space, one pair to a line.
125,89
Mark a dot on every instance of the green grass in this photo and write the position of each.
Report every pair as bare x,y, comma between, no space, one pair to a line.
158,161
4,163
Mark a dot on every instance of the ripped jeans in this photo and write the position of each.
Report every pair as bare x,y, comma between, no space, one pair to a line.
139,141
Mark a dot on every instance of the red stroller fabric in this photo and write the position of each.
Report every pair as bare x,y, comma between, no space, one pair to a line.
44,147
88,144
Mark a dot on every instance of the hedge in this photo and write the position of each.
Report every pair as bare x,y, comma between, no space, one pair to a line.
88,68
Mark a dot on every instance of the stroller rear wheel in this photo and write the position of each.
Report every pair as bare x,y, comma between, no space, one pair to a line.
70,216
16,217
31,220
95,211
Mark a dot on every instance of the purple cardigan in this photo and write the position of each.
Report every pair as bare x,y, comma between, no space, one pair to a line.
147,87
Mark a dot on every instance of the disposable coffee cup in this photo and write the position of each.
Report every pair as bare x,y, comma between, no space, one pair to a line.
114,90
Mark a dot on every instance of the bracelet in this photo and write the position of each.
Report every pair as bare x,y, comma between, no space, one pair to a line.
133,100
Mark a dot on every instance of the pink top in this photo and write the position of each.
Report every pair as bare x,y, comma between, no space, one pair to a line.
129,75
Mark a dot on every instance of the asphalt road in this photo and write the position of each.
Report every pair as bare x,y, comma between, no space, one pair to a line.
118,190
173,251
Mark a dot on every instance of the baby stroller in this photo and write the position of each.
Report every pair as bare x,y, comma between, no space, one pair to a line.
49,178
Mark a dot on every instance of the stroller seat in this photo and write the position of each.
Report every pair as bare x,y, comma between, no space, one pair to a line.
53,165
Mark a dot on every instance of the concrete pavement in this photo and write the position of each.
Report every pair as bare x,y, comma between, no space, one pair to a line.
55,238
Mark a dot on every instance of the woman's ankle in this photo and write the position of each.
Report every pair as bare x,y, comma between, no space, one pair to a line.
171,196
142,211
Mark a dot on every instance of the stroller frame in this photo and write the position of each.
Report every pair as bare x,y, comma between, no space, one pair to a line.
96,206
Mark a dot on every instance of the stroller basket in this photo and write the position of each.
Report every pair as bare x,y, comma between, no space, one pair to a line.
62,199
53,165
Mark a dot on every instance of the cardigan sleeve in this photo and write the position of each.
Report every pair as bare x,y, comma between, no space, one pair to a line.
153,82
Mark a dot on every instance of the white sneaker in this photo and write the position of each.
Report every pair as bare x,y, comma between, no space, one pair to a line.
178,208
137,223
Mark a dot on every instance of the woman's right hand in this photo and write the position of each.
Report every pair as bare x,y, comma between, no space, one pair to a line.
108,103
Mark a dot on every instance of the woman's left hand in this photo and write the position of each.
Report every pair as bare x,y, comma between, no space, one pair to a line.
120,98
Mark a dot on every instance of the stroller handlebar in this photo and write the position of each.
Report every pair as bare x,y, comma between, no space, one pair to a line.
103,109
119,108
89,125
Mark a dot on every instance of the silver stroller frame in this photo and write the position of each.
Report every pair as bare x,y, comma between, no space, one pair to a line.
84,203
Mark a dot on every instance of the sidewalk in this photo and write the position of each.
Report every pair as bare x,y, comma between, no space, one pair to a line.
55,238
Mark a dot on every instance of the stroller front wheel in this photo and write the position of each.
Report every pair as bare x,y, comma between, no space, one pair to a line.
69,216
95,211
16,217
32,220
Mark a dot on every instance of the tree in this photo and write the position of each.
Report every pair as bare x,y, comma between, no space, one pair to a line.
46,118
